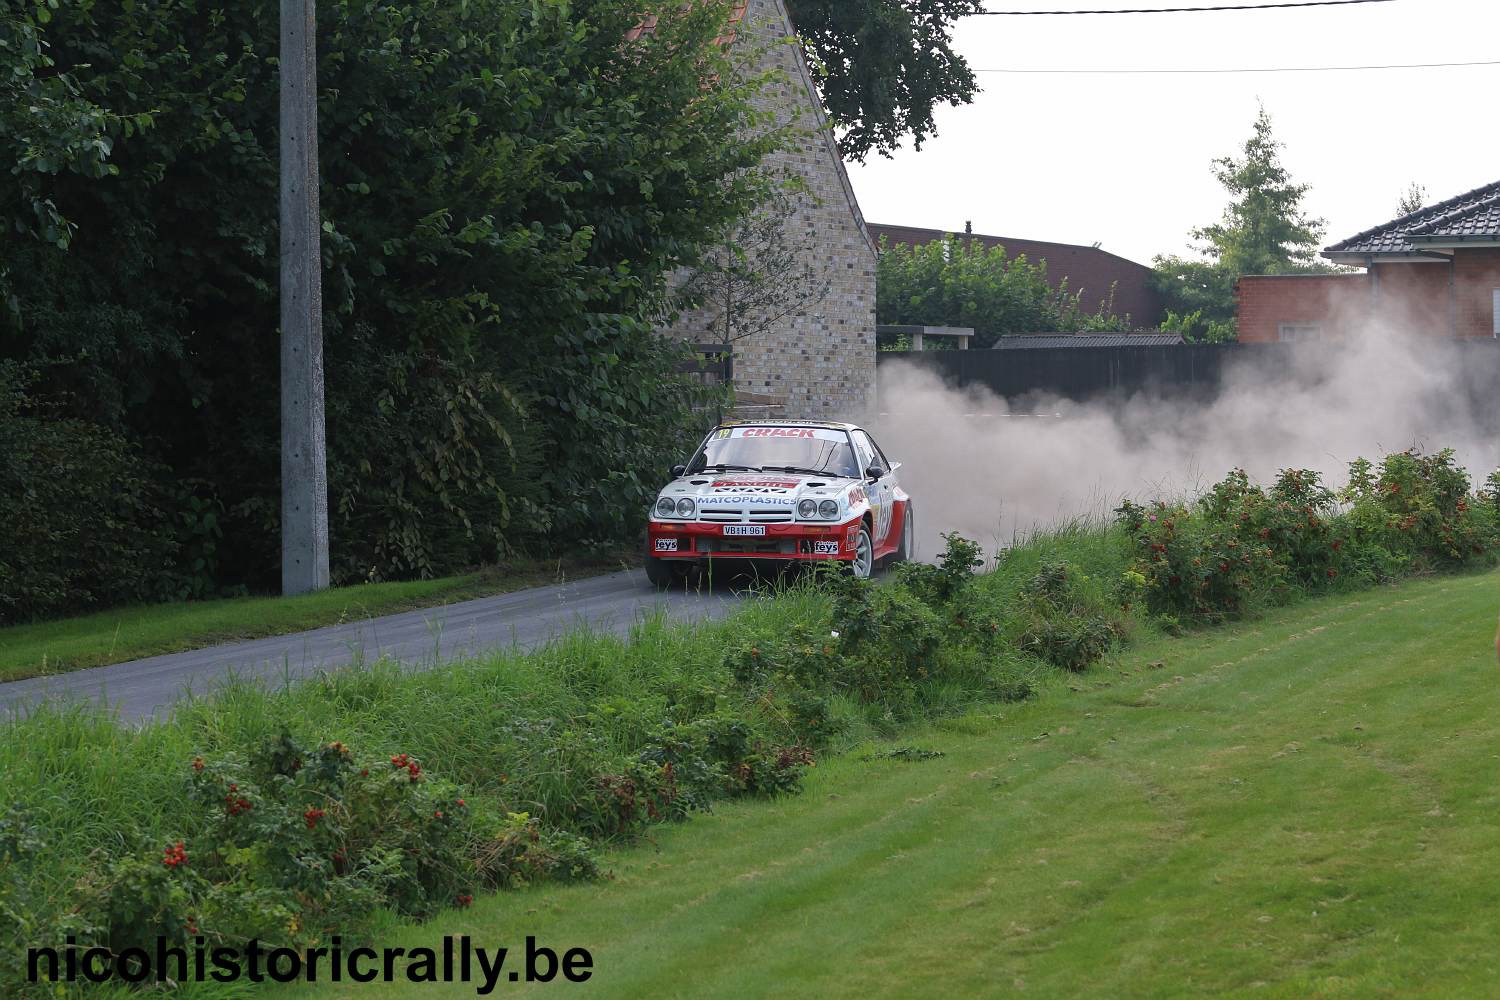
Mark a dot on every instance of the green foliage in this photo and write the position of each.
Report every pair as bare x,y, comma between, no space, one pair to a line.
289,845
882,67
1194,327
960,282
1062,623
1241,546
505,185
85,520
1412,199
1264,231
1415,513
48,126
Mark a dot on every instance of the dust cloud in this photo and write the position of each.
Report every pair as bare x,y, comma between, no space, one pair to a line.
997,470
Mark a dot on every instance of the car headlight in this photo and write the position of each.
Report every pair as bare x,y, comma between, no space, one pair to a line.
665,507
829,509
807,508
684,507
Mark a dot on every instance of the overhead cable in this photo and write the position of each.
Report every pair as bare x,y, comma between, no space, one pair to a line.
1254,69
1174,10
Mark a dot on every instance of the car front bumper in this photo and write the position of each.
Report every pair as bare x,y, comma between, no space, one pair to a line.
792,542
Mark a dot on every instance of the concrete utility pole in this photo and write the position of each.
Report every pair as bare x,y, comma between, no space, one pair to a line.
304,475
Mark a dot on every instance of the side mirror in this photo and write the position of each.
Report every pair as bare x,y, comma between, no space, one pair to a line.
874,472
678,470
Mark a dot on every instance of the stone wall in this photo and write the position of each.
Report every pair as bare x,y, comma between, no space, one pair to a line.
819,362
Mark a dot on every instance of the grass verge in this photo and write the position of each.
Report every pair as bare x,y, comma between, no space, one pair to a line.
277,816
123,634
1299,806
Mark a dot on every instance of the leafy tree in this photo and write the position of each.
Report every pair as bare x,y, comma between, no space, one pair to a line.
882,66
505,185
1264,231
961,282
1413,199
761,272
47,126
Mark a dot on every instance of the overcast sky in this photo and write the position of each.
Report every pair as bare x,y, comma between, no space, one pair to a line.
1125,160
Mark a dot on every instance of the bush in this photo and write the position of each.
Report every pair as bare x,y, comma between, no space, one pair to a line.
289,846
1198,566
1060,624
1240,545
84,517
1414,513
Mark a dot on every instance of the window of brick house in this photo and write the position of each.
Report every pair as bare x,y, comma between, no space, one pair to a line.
1495,313
1298,332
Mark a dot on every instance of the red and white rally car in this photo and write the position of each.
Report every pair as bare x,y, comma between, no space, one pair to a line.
781,490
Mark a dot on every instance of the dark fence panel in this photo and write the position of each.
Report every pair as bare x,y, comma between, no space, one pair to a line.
1185,372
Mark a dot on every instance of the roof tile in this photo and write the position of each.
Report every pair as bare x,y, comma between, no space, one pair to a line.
1475,213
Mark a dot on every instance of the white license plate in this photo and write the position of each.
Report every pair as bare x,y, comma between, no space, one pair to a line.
666,545
744,529
825,548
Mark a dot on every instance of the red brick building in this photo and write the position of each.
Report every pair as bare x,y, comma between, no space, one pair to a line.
1434,273
1092,271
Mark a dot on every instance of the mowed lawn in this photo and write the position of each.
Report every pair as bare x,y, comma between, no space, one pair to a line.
1307,805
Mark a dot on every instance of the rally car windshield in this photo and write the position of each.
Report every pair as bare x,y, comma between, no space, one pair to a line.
815,450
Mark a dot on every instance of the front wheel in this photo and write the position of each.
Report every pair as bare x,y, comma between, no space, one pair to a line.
664,573
863,562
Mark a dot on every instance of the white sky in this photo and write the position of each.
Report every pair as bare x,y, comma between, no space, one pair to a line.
1125,160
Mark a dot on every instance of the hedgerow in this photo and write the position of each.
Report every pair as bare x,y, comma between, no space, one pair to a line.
505,188
294,814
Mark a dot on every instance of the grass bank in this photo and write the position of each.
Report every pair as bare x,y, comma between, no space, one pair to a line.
1299,806
293,815
122,634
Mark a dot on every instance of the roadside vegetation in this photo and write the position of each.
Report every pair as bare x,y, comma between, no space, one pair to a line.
130,633
295,814
1298,806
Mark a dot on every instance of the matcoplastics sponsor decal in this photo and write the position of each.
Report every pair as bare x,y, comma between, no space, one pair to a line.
740,499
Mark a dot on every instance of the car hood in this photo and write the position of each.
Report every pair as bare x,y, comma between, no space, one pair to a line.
766,491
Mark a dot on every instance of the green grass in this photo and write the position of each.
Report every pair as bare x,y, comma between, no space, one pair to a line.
122,634
1298,806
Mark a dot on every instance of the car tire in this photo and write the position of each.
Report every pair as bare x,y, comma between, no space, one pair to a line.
664,574
862,566
907,550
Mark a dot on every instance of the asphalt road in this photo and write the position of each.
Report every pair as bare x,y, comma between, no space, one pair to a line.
522,619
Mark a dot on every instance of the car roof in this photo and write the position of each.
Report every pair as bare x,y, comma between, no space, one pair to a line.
833,425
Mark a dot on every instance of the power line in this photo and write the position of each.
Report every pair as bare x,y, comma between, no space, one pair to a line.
1174,10
1265,69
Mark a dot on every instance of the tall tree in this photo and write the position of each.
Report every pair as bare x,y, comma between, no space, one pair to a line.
1413,199
882,66
1264,231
